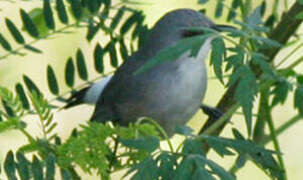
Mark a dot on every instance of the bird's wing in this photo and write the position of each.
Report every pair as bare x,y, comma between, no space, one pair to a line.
116,89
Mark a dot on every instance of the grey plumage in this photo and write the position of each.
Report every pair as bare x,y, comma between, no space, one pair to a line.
171,92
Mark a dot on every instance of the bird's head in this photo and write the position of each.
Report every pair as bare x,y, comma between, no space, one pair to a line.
174,26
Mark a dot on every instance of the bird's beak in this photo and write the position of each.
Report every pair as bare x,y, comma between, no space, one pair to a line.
223,28
198,31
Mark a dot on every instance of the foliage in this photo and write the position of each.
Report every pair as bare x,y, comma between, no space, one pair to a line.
104,148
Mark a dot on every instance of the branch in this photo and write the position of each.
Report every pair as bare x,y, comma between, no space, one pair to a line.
281,33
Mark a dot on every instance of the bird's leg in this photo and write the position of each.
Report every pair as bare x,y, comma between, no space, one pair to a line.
212,112
113,158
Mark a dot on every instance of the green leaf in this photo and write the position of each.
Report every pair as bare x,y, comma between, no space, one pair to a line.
81,66
220,149
219,9
148,143
267,41
298,99
255,18
167,164
117,18
245,92
184,170
202,174
92,31
171,53
237,134
4,43
10,166
29,24
50,167
146,169
113,54
65,174
123,50
280,92
23,166
48,14
98,58
232,13
202,1
52,81
37,169
33,49
193,146
30,85
93,6
143,35
76,9
60,7
8,109
218,170
138,28
69,73
21,94
14,31
217,56
300,15
300,2
130,22
184,130
241,160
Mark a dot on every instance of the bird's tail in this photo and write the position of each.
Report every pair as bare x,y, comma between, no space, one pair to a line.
76,98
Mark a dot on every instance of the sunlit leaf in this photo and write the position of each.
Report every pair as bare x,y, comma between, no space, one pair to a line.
29,24
148,143
50,167
10,166
52,81
113,54
23,166
117,18
98,58
123,50
37,169
60,7
217,56
81,65
4,43
298,99
14,31
130,22
48,14
219,9
33,49
30,85
76,9
21,94
69,72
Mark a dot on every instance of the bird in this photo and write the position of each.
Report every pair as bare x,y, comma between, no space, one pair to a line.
170,92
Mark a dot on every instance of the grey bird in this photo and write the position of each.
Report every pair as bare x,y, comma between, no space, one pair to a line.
170,93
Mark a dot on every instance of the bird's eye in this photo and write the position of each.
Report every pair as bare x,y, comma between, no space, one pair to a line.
189,33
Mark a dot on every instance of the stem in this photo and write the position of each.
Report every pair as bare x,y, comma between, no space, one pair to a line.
267,116
276,144
283,127
17,50
161,130
294,64
288,55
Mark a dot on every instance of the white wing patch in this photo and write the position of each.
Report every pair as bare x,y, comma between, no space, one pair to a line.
94,92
